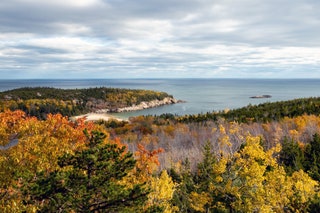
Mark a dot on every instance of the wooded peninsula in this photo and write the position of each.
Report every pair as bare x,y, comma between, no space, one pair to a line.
259,158
40,101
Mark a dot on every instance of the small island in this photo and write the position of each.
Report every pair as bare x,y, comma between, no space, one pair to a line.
261,96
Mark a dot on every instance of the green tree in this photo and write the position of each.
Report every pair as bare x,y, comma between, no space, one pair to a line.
312,155
291,156
205,172
185,185
89,181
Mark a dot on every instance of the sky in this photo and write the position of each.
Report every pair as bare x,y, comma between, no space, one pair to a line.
159,39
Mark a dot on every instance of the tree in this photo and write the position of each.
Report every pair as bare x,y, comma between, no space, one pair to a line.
259,184
205,172
312,154
89,181
162,190
183,177
291,156
30,146
251,180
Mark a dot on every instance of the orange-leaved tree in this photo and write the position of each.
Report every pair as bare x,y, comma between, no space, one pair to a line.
29,146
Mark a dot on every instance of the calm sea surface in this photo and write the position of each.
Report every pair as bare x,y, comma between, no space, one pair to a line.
201,95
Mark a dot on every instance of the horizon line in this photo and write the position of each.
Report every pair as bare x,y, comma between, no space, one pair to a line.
162,78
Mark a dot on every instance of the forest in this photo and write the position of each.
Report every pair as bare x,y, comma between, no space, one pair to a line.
40,101
262,158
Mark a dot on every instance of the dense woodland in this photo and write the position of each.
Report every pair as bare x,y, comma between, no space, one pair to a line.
266,112
40,101
263,158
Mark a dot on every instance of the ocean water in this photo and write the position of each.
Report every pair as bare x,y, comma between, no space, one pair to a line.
201,95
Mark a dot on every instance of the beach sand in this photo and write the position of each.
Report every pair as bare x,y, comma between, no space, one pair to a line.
96,117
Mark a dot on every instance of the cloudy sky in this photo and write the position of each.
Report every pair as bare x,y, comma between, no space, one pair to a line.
159,38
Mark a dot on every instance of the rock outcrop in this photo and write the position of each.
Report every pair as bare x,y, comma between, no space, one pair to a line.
261,96
149,104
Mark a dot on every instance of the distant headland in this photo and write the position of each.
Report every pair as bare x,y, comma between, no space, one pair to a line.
39,101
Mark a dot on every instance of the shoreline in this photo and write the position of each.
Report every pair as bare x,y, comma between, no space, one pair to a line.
144,105
103,114
93,116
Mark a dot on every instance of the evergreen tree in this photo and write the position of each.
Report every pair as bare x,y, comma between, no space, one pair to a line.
312,153
206,167
185,186
291,156
88,181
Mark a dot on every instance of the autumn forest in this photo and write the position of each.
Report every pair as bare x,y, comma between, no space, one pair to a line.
263,158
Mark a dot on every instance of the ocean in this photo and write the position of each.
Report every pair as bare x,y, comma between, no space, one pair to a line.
200,95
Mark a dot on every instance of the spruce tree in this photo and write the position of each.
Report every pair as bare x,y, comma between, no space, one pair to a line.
205,172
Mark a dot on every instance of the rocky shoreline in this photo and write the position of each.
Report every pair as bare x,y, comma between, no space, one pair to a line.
142,105
102,114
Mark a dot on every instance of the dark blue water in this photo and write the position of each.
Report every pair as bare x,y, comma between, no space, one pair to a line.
201,95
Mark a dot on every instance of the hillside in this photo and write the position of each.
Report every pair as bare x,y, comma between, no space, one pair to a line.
214,167
266,161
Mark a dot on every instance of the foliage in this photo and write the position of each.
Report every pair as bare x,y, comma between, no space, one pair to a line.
162,190
87,180
230,166
305,157
266,112
238,172
291,156
147,162
185,140
252,181
312,157
38,145
205,168
40,101
184,179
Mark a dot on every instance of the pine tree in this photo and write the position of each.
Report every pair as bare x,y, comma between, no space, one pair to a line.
206,167
89,181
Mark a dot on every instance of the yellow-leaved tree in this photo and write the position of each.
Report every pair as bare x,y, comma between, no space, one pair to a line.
29,146
162,189
251,180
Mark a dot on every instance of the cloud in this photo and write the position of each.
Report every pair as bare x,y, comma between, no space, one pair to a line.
176,38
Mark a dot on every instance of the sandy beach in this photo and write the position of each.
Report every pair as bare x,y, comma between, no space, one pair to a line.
97,116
